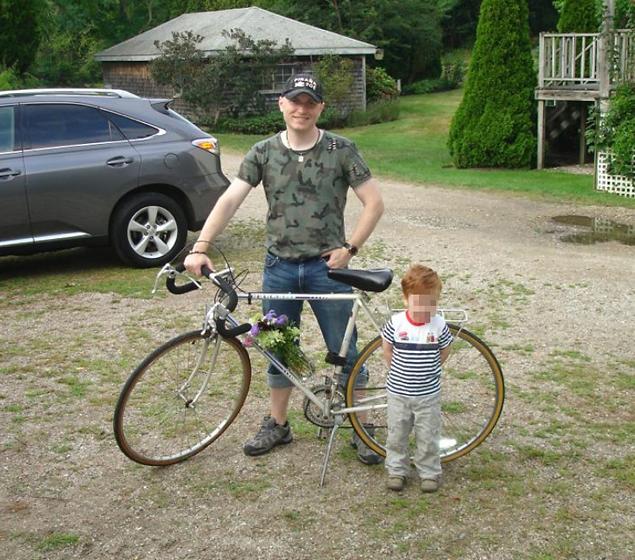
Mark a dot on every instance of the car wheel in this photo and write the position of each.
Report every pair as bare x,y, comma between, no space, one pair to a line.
148,230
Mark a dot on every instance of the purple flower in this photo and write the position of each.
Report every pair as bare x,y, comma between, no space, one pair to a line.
282,320
270,316
255,329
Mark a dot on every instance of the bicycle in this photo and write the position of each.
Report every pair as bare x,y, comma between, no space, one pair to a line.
185,394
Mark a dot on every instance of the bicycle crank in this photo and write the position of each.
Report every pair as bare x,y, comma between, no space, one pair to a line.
315,414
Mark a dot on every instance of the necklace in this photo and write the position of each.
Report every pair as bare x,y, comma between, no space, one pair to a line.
300,153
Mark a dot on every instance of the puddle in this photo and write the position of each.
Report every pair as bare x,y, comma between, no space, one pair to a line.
597,230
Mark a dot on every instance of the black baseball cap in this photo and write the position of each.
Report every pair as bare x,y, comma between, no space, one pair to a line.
303,83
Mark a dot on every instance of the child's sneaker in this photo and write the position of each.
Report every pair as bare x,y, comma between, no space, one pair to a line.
429,485
396,483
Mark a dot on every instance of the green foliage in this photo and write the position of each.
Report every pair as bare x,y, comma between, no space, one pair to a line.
336,76
378,112
494,125
579,16
428,86
454,67
20,33
279,336
616,131
180,63
9,79
261,125
409,31
227,83
380,85
264,125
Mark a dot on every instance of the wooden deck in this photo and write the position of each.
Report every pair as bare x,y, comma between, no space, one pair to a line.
581,67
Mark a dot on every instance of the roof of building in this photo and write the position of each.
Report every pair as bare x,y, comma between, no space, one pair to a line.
256,22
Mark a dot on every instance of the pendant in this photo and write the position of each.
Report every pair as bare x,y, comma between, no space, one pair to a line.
301,158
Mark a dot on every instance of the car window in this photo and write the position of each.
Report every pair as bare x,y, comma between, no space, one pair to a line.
132,130
7,129
51,125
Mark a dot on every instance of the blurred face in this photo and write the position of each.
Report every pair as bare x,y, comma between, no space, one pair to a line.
421,307
300,113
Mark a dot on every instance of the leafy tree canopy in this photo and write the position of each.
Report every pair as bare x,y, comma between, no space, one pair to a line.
20,35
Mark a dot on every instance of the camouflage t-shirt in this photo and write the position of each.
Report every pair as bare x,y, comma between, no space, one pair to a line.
306,193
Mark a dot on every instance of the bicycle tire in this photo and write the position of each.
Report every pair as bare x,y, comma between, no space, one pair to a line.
155,421
472,395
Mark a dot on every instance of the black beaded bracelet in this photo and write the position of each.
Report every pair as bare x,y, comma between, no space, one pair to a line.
197,253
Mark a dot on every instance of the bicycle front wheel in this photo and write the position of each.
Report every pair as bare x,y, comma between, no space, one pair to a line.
472,395
181,398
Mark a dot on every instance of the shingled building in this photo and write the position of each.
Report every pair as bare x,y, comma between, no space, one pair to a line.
127,65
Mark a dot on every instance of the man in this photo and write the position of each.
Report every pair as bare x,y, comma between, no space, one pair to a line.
306,173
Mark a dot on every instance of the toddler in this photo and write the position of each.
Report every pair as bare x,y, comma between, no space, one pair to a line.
415,343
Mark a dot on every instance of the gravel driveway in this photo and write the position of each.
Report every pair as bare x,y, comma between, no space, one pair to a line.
554,480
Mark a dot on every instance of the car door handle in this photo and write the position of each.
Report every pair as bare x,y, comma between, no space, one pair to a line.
119,161
7,173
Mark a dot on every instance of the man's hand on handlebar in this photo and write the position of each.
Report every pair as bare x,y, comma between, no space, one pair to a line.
195,261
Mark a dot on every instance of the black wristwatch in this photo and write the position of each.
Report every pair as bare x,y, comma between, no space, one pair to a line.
352,250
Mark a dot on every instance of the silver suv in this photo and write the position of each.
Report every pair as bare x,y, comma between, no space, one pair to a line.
98,167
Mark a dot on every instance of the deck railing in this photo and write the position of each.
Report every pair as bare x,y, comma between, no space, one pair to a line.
573,60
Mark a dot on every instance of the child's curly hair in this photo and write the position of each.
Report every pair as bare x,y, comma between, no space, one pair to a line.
420,279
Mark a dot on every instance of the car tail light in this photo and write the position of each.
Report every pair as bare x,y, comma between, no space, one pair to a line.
209,144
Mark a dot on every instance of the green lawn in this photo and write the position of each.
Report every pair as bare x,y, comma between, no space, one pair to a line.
413,148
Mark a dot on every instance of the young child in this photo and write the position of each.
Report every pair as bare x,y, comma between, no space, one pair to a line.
415,343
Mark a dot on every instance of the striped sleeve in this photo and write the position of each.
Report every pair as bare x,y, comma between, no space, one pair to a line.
388,332
446,337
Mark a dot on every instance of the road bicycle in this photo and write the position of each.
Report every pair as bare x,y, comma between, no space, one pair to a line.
185,394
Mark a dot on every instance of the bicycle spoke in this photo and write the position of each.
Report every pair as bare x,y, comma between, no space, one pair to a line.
472,395
157,420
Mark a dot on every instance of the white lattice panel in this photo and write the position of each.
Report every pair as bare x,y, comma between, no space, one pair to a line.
617,184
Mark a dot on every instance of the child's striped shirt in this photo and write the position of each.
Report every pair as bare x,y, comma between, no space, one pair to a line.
415,369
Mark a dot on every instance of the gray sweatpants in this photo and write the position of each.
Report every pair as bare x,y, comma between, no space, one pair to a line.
423,415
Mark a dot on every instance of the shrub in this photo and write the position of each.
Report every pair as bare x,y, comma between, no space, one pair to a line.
261,125
494,125
9,79
616,131
337,78
453,69
377,112
427,86
380,85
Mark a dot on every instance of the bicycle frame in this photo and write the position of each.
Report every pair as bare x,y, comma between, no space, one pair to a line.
325,405
360,300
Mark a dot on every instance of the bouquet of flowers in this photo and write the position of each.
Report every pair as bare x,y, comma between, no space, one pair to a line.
275,333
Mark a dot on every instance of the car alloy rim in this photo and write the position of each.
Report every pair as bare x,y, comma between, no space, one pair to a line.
152,232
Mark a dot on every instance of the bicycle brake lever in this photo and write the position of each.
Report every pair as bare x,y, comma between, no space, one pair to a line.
166,270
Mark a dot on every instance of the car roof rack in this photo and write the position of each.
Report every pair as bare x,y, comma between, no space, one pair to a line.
69,91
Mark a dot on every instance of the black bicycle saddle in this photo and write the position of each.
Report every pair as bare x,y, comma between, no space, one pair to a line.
374,280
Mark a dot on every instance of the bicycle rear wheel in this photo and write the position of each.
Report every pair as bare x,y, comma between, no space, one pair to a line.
472,395
181,398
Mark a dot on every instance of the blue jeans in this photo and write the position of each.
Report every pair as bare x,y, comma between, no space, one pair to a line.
309,276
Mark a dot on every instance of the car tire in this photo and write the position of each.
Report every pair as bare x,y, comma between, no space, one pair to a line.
148,230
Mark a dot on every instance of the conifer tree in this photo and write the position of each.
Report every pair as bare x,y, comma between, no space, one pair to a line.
494,125
579,16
